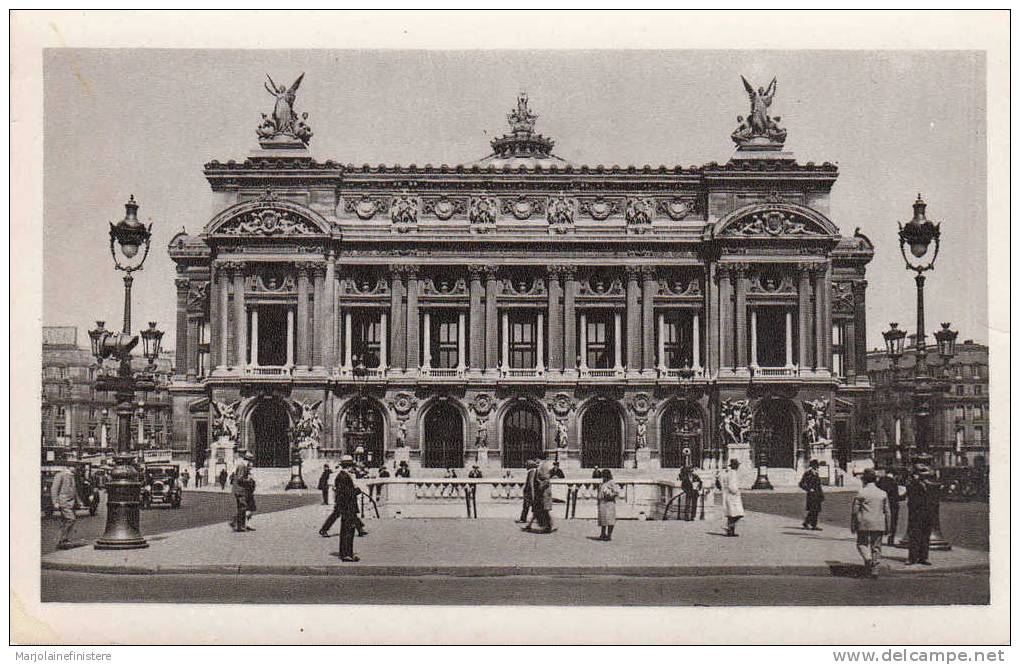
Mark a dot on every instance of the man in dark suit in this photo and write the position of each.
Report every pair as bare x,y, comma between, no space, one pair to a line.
532,468
811,483
346,509
324,484
890,484
922,506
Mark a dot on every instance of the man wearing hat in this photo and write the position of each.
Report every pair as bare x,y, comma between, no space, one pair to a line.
242,486
529,486
922,506
475,472
63,493
869,519
811,483
346,508
324,484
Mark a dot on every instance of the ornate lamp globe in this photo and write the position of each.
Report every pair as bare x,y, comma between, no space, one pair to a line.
98,336
946,340
894,341
130,235
152,339
918,235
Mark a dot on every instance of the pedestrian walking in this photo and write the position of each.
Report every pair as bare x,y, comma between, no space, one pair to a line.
185,477
346,509
200,477
608,493
556,472
869,519
249,497
733,505
222,479
383,473
239,488
403,471
324,484
686,478
528,491
63,494
541,498
895,491
811,483
922,506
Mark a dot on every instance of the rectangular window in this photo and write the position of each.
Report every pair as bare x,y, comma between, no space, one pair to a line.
366,330
599,330
959,413
978,389
678,343
839,349
979,434
443,336
960,390
523,347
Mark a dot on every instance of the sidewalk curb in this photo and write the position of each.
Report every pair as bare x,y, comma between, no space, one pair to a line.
482,571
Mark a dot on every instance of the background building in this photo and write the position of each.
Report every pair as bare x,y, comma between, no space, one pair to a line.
77,416
522,306
961,435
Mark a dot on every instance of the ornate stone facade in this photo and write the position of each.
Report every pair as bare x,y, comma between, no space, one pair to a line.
523,306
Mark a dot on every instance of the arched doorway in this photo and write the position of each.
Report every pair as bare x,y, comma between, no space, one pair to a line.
442,445
362,425
522,435
602,436
779,418
681,427
270,444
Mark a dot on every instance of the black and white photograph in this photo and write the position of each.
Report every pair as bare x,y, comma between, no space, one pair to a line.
698,330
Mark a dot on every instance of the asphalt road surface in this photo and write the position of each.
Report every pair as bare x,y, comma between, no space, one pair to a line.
197,509
964,523
927,589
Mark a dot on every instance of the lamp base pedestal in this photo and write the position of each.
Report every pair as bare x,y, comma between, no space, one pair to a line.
123,501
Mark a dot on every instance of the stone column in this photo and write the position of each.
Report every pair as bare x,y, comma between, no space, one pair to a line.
819,279
860,327
569,318
328,325
505,356
477,317
348,339
426,347
555,319
316,332
850,351
290,337
633,319
754,337
301,354
398,332
383,342
492,360
461,337
254,336
789,338
740,320
712,314
696,341
583,346
182,352
827,310
191,359
649,287
223,274
804,312
411,321
240,318
617,342
662,342
725,329
540,344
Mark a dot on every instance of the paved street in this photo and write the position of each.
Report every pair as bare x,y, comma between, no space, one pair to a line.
197,509
929,589
964,523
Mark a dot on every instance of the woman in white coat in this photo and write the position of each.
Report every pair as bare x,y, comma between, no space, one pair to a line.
733,505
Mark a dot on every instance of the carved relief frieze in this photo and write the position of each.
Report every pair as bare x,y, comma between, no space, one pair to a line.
600,283
268,222
770,283
444,207
843,297
444,285
771,223
680,285
560,214
366,207
365,284
404,212
639,215
483,212
677,208
600,208
523,207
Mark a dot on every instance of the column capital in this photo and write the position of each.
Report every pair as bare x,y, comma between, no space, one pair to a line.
476,271
182,283
806,267
491,272
740,269
231,266
318,269
404,270
633,272
303,269
648,273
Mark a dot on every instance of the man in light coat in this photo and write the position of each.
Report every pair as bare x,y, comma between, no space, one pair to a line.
733,505
63,493
869,519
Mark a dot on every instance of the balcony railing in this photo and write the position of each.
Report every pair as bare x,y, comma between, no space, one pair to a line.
773,372
279,371
601,373
521,372
674,372
443,372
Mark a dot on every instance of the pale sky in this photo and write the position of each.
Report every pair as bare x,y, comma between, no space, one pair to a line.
143,122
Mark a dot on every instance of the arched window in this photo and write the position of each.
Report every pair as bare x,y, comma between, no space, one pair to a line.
442,445
522,435
681,432
602,436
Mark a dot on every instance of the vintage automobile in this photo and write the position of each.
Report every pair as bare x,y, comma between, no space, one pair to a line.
88,493
161,484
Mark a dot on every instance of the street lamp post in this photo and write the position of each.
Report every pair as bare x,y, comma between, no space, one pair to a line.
123,488
922,238
762,436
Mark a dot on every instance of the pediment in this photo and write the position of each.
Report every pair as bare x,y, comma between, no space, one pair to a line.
268,217
775,220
